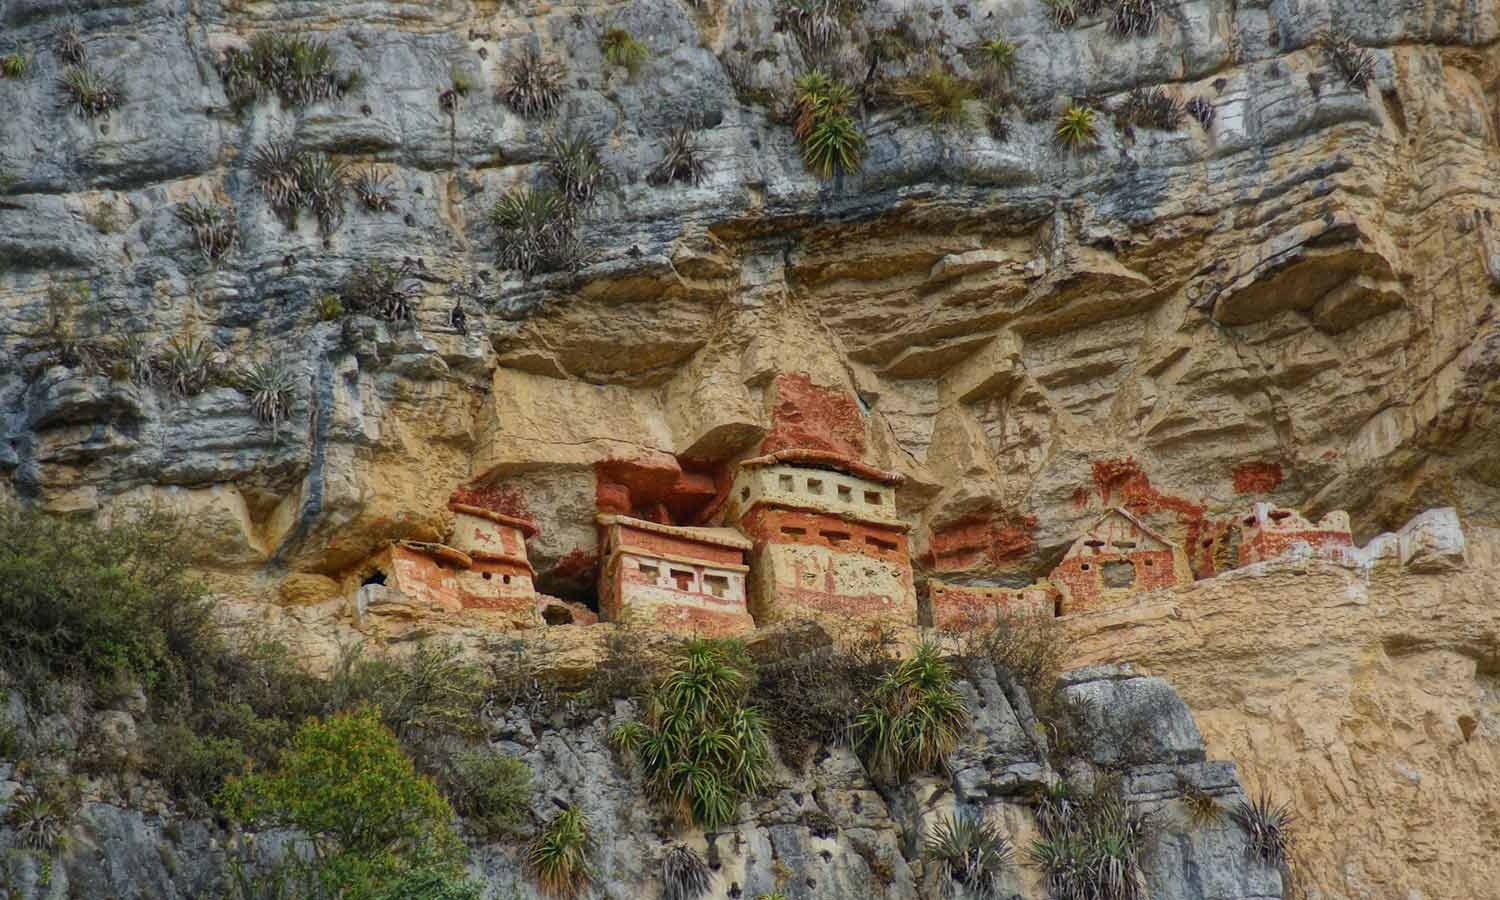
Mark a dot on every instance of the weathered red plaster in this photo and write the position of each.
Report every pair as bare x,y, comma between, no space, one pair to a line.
1081,575
1122,482
961,608
503,499
1257,477
767,524
809,417
659,488
982,540
576,564
670,545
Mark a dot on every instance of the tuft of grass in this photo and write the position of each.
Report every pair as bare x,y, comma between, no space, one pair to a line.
1268,828
14,64
69,46
372,188
328,307
822,122
271,385
574,163
41,815
913,718
702,748
535,227
189,366
559,857
378,290
1202,109
682,159
1075,127
1354,62
970,853
91,93
1152,108
685,874
938,96
620,48
215,229
1202,808
297,69
1092,846
533,85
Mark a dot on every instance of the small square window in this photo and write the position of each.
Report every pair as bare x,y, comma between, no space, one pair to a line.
716,585
651,572
846,493
785,481
873,498
814,486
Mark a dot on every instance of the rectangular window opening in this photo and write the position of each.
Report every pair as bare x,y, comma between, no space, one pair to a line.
684,579
879,544
793,531
846,493
785,481
873,498
836,537
716,585
648,570
814,486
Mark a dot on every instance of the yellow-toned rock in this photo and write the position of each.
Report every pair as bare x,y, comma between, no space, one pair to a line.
306,588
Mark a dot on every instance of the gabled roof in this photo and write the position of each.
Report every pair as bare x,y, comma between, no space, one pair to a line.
722,537
825,459
1127,516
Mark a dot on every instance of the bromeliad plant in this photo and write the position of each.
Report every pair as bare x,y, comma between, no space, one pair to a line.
620,48
1268,827
1075,128
702,749
1091,846
913,719
971,854
823,123
938,96
685,875
91,93
296,69
533,87
271,385
214,226
559,857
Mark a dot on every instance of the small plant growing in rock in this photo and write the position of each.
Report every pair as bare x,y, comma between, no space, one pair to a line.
215,229
90,92
41,816
293,180
620,48
574,163
703,750
271,385
998,53
1268,828
1201,806
372,188
321,182
938,96
913,719
1132,17
1075,128
971,854
69,46
1354,62
823,124
461,81
14,64
1201,109
328,306
685,874
1091,846
378,290
535,231
818,24
1064,13
1152,108
296,69
683,159
533,86
189,366
559,857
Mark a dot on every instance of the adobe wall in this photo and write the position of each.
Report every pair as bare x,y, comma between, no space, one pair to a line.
964,608
676,597
1094,580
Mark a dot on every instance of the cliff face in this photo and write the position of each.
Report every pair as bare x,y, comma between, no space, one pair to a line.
1292,303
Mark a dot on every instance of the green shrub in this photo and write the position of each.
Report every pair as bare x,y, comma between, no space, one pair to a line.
1268,828
1032,649
379,290
431,690
937,95
491,791
432,884
622,49
559,857
970,853
703,750
683,159
14,64
90,92
533,86
346,784
810,698
574,163
685,874
913,718
831,142
299,70
328,306
271,386
215,228
191,766
1075,128
535,227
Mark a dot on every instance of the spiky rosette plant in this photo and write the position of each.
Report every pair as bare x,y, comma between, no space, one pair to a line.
559,857
14,64
1075,127
215,229
270,385
534,227
682,160
998,53
372,188
702,749
379,290
822,122
1092,845
1201,109
1354,62
533,86
320,180
685,875
913,719
971,854
937,95
90,92
189,365
1132,17
1268,828
297,69
1202,808
1152,108
574,162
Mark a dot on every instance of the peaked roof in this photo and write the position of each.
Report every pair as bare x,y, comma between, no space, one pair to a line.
1129,517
